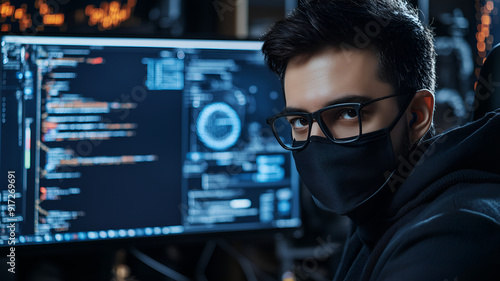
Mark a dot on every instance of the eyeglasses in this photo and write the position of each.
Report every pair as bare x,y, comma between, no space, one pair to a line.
340,123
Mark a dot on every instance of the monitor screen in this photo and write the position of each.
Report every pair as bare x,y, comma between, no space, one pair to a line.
114,138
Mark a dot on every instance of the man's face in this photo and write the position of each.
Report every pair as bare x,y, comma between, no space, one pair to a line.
333,76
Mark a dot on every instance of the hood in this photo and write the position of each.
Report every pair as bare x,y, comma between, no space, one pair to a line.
470,152
474,146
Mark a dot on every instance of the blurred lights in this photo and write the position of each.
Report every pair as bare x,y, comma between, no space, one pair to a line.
6,10
486,20
490,5
19,14
484,38
44,9
50,18
110,14
56,19
24,19
105,16
481,46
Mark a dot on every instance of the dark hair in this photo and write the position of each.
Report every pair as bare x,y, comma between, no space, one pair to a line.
391,28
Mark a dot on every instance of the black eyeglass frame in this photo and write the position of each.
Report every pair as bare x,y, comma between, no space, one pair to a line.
317,116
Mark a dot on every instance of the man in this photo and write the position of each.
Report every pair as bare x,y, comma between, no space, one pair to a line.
358,79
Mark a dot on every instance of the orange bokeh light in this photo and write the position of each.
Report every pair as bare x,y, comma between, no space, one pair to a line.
54,19
19,14
109,15
490,5
480,36
6,10
5,27
22,16
481,46
486,19
486,31
44,9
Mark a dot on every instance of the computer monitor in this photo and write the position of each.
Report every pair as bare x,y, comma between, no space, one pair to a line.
116,138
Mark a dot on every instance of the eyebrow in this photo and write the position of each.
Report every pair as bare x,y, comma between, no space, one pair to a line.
345,99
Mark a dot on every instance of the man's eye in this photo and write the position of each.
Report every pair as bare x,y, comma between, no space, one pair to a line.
349,114
299,122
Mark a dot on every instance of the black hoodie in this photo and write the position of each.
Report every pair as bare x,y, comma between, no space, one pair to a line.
443,222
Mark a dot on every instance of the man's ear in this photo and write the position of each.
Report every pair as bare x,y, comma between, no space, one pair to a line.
420,112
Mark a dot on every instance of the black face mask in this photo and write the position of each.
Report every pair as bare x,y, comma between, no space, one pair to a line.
341,177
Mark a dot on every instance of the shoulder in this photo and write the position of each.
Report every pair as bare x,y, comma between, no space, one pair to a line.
480,199
454,237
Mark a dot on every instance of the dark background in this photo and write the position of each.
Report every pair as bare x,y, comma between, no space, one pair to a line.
311,252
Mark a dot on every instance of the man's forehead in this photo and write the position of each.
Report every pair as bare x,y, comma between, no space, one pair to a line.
354,64
333,74
346,53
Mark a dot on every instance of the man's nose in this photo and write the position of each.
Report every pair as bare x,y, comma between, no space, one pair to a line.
316,130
